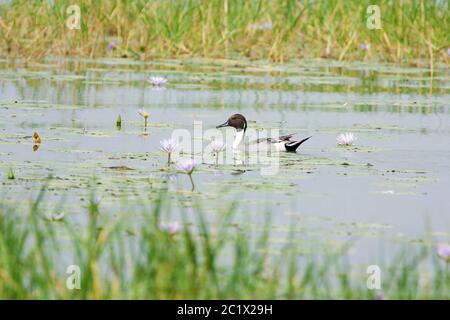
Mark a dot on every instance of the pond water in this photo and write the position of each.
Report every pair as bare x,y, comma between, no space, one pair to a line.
385,188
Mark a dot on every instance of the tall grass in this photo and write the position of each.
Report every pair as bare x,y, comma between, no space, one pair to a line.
201,261
412,30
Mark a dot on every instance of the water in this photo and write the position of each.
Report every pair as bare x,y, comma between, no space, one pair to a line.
385,189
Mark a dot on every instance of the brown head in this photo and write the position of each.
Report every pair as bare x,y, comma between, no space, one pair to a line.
236,121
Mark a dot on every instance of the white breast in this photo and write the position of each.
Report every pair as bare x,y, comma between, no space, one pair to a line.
261,146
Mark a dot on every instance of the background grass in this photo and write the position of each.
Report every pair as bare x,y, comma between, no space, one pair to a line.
414,31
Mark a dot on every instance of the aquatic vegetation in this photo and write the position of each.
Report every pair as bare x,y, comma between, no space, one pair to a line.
346,139
206,260
169,146
11,174
255,29
37,142
119,122
157,81
188,166
443,251
37,138
217,146
144,114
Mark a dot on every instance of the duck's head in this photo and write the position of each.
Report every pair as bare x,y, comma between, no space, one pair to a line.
236,121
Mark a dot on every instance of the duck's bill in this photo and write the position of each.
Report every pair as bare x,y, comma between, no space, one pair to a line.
223,125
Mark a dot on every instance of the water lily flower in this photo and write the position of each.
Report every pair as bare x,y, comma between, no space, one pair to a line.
346,139
119,122
111,45
188,167
170,227
217,146
168,146
157,81
443,251
364,46
144,114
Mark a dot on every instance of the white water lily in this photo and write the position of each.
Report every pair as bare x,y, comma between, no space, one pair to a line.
187,166
346,139
217,146
169,146
443,252
157,81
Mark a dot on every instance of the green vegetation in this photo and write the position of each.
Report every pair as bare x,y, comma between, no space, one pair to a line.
11,174
414,31
200,260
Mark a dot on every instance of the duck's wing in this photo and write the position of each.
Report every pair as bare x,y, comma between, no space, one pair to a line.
286,137
268,140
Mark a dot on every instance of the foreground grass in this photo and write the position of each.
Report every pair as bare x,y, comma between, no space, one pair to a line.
258,29
200,261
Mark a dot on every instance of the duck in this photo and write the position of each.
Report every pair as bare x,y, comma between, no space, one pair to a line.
283,143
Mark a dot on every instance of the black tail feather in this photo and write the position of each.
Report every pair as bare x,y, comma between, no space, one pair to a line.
292,146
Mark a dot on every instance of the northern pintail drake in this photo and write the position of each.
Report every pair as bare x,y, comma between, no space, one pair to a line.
282,143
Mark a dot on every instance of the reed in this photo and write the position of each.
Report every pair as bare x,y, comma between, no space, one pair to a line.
201,261
414,31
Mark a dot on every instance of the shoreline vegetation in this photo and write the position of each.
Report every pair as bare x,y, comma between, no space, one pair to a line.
190,259
412,32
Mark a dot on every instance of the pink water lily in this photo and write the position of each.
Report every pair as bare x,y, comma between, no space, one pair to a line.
364,46
217,146
443,251
170,227
187,166
157,81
